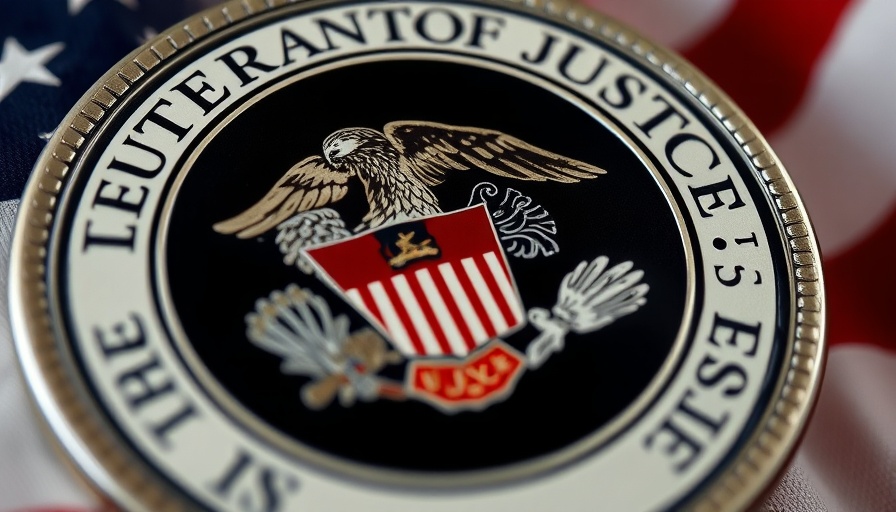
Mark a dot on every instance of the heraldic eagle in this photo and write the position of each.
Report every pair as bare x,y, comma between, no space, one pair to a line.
397,168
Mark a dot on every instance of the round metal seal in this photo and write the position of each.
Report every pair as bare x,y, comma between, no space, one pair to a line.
416,255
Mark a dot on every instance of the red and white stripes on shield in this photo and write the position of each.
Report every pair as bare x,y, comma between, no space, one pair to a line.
449,311
443,306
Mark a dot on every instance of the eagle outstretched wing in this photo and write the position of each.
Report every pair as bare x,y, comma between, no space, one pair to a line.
309,184
432,149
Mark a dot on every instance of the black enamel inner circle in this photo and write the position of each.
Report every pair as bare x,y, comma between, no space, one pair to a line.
216,279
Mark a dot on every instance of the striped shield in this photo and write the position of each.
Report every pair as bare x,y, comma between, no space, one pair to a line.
439,286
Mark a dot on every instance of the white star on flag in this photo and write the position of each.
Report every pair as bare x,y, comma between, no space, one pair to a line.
18,65
75,6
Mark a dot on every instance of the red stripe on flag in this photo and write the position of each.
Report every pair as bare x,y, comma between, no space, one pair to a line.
404,317
465,332
370,304
492,283
764,52
859,290
490,329
431,319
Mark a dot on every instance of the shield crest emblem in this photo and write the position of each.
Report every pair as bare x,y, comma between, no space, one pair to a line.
438,286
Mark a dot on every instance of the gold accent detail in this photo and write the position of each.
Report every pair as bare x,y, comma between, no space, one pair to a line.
83,125
130,72
254,6
217,19
56,168
103,98
163,48
427,152
44,201
179,38
411,251
147,59
92,111
365,347
64,153
740,484
72,138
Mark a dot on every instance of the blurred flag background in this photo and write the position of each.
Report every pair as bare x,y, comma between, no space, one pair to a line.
818,77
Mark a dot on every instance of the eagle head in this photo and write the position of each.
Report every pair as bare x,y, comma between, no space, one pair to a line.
355,145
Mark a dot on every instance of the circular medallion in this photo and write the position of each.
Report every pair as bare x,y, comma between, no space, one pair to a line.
416,256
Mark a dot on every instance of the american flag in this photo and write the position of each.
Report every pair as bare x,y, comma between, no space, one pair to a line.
817,77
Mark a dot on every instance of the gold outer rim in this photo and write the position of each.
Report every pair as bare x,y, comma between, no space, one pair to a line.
89,443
